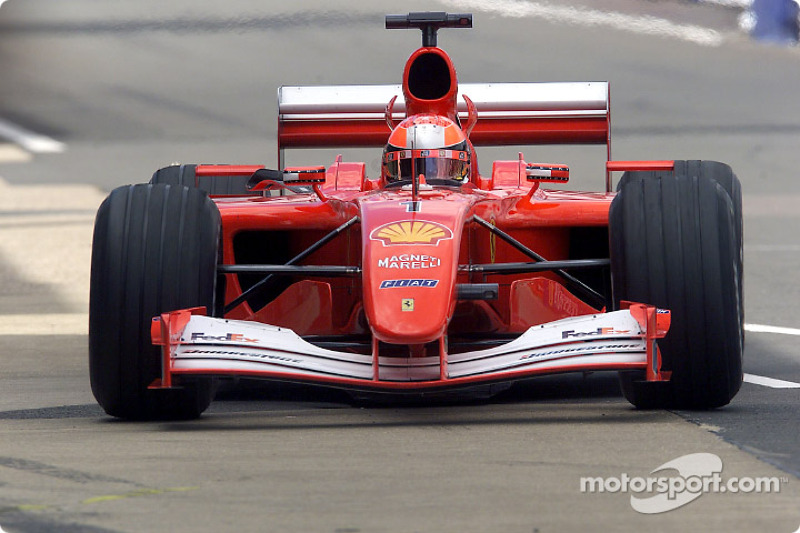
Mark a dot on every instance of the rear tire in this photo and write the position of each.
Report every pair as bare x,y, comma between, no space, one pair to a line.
676,243
154,250
214,185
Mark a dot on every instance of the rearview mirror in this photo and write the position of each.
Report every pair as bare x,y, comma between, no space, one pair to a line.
262,177
546,172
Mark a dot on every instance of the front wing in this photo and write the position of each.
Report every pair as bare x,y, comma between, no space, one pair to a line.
193,344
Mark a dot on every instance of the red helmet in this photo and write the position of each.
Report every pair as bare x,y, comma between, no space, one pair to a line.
431,145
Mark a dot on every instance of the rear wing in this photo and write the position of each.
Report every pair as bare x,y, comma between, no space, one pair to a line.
508,114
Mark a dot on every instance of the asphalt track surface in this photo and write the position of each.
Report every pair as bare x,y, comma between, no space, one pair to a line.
94,96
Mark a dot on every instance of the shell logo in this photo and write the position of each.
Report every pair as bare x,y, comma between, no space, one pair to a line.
411,232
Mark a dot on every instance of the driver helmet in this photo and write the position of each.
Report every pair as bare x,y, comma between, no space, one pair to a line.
431,145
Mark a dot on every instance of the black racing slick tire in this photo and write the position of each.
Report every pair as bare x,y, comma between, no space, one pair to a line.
719,172
722,174
676,243
155,250
213,185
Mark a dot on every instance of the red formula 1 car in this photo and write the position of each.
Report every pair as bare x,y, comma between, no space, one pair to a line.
430,276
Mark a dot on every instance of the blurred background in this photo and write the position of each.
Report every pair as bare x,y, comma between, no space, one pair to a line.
106,92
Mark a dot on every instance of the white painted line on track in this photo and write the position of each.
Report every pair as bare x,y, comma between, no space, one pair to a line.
643,24
760,328
31,141
763,380
729,3
770,382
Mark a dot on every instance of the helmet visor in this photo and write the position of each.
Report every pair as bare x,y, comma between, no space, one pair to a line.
432,164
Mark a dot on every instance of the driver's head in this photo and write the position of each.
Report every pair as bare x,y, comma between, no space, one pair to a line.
430,145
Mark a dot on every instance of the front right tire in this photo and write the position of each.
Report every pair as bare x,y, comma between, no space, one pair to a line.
154,250
676,244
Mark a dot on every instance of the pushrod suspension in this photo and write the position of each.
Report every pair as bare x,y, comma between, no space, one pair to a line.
299,257
571,280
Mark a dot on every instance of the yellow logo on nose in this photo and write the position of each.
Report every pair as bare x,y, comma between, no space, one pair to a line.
411,232
408,304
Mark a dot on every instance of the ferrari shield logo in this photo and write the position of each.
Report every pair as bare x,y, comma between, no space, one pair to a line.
407,304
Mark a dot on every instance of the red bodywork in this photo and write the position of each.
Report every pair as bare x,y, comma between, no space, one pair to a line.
414,250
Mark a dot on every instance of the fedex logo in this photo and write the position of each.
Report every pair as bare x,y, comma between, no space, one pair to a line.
229,337
571,333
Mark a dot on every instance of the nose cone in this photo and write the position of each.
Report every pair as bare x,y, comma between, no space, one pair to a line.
410,262
410,292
